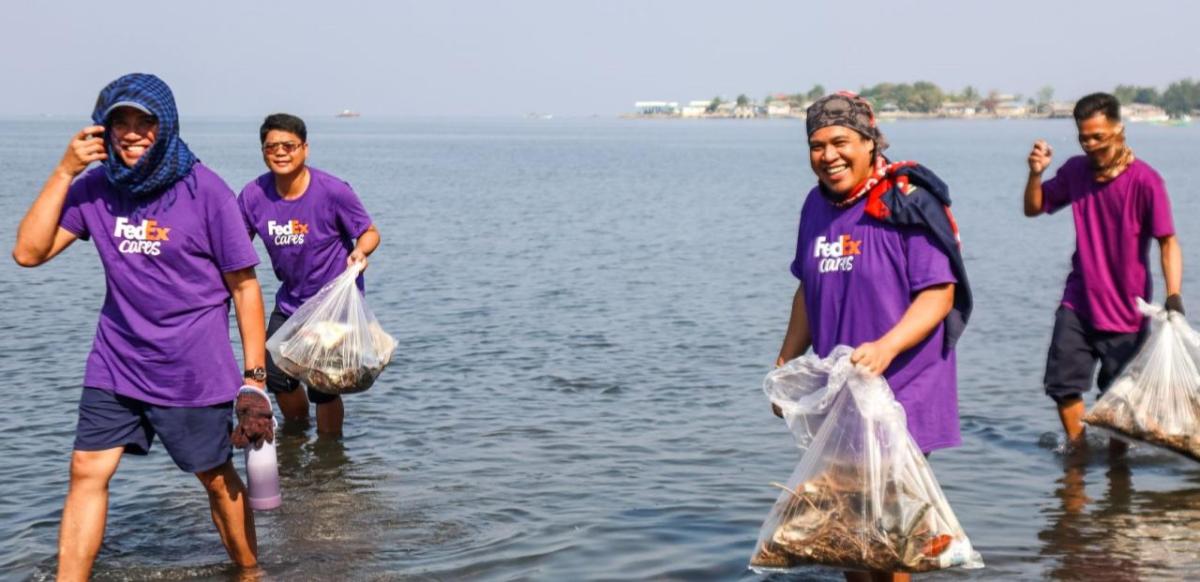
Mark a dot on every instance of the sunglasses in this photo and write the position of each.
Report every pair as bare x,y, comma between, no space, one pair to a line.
287,147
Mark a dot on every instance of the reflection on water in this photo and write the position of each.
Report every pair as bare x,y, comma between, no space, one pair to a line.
328,508
1121,533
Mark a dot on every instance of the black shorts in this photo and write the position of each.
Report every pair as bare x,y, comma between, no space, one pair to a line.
277,381
1074,350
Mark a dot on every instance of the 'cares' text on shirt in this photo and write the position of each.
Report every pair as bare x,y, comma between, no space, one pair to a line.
289,233
836,255
145,238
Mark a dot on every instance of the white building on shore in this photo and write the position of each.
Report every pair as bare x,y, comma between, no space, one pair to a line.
657,108
1143,112
956,109
694,109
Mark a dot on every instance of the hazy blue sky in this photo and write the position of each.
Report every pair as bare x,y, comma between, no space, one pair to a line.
574,57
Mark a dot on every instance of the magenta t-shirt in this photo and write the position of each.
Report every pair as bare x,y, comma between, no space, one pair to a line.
163,335
859,277
308,238
1114,225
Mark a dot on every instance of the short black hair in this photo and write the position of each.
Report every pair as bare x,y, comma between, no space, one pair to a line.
1098,103
283,122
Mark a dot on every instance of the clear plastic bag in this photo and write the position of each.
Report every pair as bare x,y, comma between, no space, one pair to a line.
1156,399
333,342
863,497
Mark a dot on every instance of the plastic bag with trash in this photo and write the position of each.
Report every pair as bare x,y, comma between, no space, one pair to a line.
333,342
863,497
1156,399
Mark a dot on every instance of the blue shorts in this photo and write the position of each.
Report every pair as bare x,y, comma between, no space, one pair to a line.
197,438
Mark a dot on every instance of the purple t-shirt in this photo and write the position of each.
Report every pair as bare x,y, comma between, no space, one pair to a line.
163,335
308,238
1114,224
859,277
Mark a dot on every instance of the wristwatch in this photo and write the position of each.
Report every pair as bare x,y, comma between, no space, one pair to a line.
258,374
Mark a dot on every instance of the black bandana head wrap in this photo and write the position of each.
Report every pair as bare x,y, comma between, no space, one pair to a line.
168,160
847,110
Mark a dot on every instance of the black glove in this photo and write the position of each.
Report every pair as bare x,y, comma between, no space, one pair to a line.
1175,303
256,422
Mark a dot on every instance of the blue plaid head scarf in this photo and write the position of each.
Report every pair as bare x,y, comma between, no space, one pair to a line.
168,160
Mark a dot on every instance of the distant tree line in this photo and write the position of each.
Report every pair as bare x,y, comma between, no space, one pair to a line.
1180,98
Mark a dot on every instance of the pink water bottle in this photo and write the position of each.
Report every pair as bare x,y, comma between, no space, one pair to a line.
262,468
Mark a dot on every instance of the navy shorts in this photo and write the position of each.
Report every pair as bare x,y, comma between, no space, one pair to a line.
1075,348
197,438
277,381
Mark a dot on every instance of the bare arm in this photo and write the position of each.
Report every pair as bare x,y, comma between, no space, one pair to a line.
366,244
798,338
1039,159
248,305
1172,264
928,309
39,238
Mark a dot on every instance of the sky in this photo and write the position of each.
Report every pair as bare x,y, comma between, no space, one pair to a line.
564,57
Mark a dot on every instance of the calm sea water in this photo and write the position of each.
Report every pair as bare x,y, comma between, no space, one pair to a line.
585,311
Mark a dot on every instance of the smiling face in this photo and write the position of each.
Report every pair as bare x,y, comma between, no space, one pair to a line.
132,133
284,152
840,157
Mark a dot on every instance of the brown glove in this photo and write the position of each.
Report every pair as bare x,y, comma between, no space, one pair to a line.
256,421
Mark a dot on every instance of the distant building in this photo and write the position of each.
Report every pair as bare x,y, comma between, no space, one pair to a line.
778,108
889,109
1062,109
694,109
1011,109
956,109
748,111
1143,112
657,108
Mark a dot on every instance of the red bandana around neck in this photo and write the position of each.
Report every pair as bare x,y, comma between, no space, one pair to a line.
881,179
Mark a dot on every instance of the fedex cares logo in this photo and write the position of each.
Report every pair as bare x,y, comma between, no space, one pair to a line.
836,255
144,238
289,233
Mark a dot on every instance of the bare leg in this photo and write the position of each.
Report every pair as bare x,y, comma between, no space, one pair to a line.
1070,412
231,514
329,417
1117,447
294,404
85,511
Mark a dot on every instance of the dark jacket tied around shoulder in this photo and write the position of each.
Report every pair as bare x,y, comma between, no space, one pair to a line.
912,195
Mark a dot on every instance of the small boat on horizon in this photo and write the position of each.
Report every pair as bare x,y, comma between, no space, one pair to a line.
348,113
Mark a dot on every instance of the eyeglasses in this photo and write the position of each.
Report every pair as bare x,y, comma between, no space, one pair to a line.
287,147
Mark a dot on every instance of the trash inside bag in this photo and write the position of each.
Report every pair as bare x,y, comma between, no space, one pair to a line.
863,497
1156,399
333,343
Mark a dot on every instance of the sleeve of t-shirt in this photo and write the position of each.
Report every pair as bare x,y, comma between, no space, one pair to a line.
352,217
231,248
71,218
247,220
1158,207
928,264
1055,193
797,267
